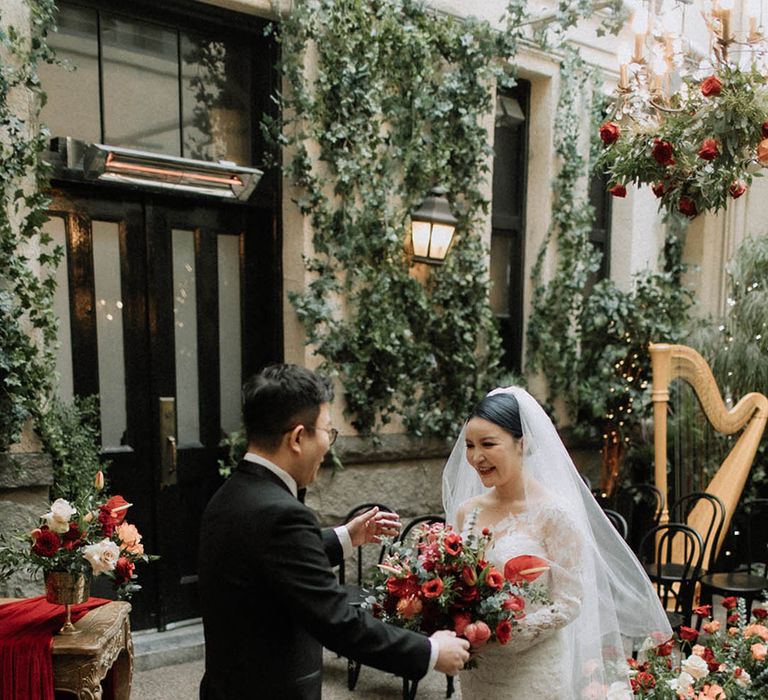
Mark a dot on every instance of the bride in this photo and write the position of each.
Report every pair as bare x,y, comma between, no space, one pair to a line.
510,472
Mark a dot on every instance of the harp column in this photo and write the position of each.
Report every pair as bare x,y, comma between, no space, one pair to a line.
661,371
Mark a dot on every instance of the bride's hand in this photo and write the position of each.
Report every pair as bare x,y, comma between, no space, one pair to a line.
372,525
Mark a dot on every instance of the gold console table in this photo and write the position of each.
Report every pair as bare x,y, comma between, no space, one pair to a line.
82,661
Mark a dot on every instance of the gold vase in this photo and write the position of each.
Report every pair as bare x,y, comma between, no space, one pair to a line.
67,589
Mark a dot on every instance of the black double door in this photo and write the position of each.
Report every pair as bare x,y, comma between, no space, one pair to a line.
166,306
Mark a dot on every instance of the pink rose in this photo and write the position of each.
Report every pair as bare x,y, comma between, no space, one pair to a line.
758,651
756,631
477,633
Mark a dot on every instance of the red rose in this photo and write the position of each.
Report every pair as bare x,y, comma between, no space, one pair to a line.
515,603
477,633
711,86
687,206
738,188
760,613
658,189
432,588
729,602
662,152
709,656
618,191
709,149
643,681
494,580
733,618
609,133
688,634
703,610
45,542
123,570
460,622
664,649
72,538
764,130
503,631
452,544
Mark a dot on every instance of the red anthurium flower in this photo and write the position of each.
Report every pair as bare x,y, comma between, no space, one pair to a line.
687,206
662,152
609,133
688,634
526,567
432,588
729,602
709,150
711,86
738,188
618,191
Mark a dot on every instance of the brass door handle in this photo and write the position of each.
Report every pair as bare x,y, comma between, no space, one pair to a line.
168,446
173,453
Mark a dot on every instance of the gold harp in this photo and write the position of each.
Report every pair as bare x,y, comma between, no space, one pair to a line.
670,362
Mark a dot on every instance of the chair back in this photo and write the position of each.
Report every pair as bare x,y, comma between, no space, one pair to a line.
641,506
709,517
359,510
679,546
618,521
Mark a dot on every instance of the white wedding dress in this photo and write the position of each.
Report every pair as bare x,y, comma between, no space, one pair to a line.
537,661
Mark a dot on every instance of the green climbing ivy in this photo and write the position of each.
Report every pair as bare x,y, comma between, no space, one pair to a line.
394,105
27,258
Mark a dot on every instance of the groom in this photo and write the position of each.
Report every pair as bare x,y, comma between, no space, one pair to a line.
269,598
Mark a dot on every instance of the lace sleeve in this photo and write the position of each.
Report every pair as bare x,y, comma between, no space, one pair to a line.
562,543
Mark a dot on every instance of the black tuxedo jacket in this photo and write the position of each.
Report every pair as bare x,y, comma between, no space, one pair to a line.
270,600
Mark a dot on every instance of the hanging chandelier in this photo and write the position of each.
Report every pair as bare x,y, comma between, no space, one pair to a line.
689,116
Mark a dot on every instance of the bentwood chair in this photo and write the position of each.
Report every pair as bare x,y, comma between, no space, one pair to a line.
641,506
710,520
747,545
618,521
413,531
664,546
355,589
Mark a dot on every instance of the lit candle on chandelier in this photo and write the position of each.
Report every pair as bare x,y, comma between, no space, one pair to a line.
639,29
725,8
753,10
624,57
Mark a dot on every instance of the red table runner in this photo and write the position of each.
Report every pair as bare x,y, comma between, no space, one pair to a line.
27,628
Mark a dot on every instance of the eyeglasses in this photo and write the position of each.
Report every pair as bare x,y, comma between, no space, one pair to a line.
333,433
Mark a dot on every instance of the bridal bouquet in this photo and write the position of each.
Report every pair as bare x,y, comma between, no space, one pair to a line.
719,663
441,580
91,537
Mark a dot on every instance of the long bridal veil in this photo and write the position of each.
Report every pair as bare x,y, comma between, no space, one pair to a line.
620,608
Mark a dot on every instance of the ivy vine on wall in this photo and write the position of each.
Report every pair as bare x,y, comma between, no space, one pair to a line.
27,258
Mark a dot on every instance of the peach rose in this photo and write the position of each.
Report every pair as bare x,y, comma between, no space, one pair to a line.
477,633
756,631
711,627
759,651
130,539
762,152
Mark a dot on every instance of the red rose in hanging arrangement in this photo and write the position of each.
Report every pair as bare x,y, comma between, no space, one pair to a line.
618,191
662,152
737,189
709,149
609,133
711,86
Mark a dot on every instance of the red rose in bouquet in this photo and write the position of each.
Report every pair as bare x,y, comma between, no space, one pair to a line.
443,581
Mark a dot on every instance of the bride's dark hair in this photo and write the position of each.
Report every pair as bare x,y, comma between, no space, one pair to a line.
501,409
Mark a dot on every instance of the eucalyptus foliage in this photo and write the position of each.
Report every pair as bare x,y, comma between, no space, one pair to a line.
27,258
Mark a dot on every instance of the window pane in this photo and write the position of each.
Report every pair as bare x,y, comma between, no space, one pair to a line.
500,254
185,337
215,89
230,367
55,228
73,95
141,85
109,329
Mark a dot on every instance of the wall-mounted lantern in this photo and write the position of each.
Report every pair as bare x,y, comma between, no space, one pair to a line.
432,227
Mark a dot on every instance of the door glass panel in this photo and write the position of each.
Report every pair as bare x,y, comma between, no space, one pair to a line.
500,253
73,107
215,88
230,362
185,336
55,228
109,330
141,85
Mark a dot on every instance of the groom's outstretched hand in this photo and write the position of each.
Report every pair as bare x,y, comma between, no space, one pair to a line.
453,652
372,525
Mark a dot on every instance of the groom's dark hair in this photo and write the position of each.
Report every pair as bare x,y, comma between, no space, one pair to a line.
279,398
503,410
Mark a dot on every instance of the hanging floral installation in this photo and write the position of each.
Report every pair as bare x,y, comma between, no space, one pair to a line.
693,128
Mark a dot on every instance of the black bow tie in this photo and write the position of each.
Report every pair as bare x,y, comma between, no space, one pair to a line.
301,495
